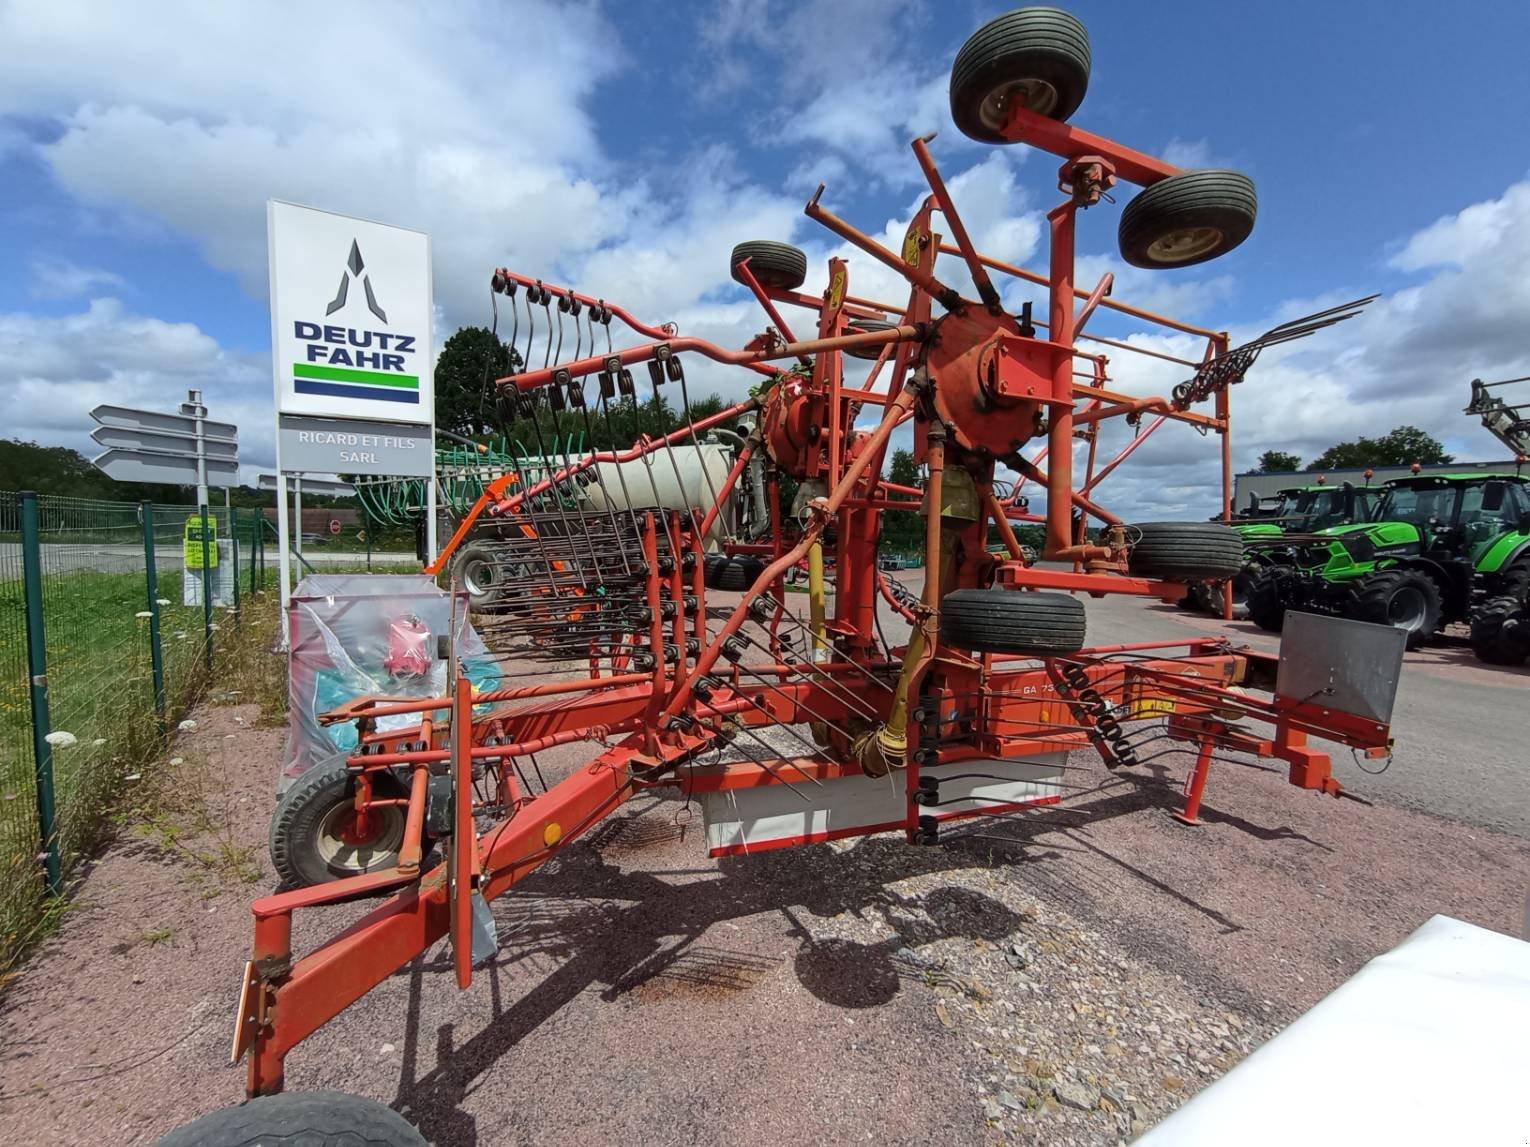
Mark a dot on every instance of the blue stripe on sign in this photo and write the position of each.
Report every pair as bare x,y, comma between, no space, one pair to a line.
339,390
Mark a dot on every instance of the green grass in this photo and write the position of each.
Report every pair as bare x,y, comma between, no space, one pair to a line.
101,692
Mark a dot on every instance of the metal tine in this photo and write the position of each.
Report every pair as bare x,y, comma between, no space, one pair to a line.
790,619
854,705
761,762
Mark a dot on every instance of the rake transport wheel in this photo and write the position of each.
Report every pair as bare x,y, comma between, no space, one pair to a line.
1012,621
476,571
1267,597
1188,218
314,832
778,265
1406,599
1039,56
1501,631
300,1119
860,327
1185,551
736,573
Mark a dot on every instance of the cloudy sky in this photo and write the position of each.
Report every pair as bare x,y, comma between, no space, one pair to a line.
624,148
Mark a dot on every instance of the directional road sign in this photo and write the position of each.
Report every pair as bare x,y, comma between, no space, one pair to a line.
153,442
178,449
155,421
169,469
312,485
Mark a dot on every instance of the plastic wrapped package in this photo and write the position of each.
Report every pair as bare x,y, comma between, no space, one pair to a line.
354,635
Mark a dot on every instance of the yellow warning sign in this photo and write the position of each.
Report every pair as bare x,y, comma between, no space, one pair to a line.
193,543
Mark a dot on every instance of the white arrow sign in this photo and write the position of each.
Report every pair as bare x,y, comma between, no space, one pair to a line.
155,421
168,469
312,485
178,445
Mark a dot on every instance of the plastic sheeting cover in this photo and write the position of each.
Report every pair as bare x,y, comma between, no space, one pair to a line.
1427,1044
345,638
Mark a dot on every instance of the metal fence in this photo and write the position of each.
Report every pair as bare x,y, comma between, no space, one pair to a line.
105,638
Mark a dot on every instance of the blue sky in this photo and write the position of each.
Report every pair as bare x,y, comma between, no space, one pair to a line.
625,148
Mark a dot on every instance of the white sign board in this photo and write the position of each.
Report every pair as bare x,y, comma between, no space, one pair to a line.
350,316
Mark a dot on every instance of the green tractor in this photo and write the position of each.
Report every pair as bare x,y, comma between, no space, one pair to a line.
1294,510
1439,549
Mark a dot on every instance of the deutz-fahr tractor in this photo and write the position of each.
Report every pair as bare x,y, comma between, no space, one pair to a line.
1441,549
1293,510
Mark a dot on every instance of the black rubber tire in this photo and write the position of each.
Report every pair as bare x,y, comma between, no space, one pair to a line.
1185,551
1220,205
737,573
305,1118
476,569
861,326
299,823
1501,631
1012,621
1380,596
778,265
1044,49
1266,601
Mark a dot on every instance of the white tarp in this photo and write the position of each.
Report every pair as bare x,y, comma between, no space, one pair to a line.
1428,1044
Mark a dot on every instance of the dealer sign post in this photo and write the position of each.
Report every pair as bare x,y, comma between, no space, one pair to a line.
351,308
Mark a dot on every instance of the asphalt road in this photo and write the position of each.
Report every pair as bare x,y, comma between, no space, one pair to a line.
1462,729
113,558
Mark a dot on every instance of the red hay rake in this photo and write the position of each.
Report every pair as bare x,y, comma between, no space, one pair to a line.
791,732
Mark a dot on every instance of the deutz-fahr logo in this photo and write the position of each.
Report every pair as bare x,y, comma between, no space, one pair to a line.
342,361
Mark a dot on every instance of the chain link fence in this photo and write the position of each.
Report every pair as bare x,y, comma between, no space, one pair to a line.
105,639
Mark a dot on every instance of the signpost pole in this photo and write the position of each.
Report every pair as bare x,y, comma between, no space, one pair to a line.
430,519
297,510
207,582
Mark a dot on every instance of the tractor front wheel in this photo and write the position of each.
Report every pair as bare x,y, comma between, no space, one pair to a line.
317,834
1269,597
1012,621
1406,599
1501,631
306,1118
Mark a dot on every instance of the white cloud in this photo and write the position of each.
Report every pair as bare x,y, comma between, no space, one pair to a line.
483,130
54,369
62,279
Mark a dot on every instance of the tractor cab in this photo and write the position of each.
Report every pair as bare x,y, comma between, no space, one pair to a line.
1457,516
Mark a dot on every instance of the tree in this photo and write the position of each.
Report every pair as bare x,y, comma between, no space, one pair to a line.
469,362
1277,462
1401,446
902,531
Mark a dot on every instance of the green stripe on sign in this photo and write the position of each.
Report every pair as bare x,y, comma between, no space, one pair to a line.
339,374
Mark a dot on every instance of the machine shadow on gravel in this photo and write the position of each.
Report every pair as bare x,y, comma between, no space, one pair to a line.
637,936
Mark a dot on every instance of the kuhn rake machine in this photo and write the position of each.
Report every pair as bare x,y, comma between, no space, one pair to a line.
789,731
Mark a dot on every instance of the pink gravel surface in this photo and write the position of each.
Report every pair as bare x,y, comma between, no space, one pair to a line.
643,992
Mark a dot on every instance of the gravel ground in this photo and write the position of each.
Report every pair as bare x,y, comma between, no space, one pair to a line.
1063,977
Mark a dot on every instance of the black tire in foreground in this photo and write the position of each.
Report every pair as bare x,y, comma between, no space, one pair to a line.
1406,599
1039,56
1267,598
313,831
475,569
1012,621
861,326
1185,551
1188,218
1501,631
778,265
300,1119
